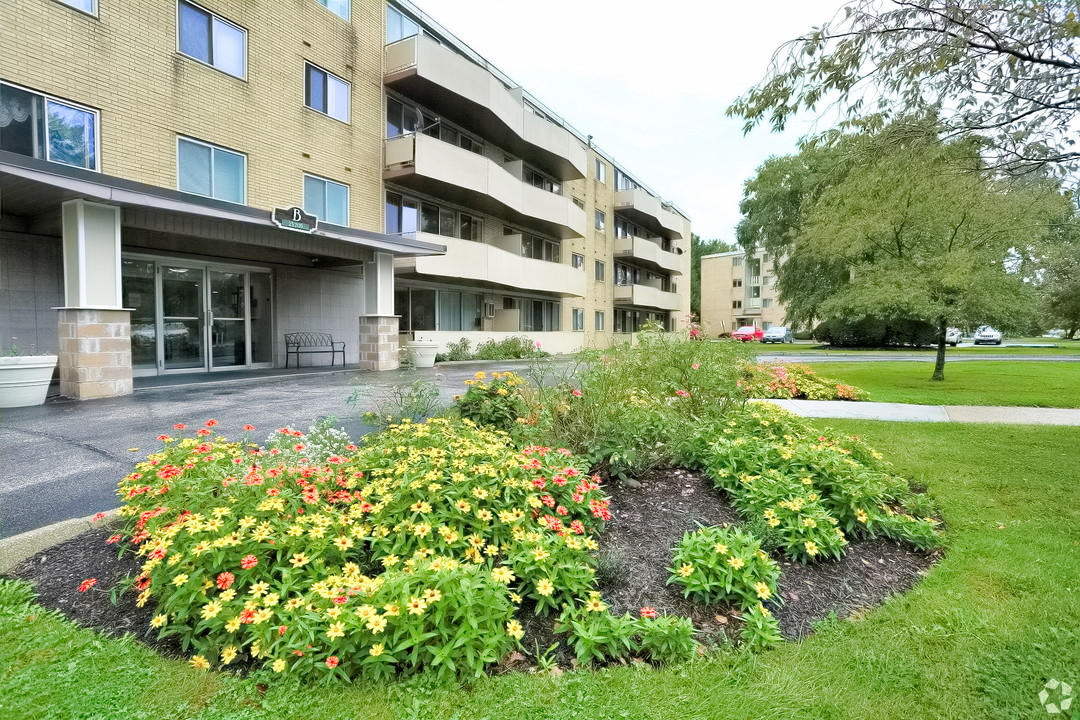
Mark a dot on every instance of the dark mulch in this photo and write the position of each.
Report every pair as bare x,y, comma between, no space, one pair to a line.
651,515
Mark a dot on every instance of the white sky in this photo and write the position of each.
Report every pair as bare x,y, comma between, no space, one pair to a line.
650,86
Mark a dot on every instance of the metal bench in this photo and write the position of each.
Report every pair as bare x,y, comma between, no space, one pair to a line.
312,342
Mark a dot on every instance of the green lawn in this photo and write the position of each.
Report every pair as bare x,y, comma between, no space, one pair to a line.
1061,347
1021,383
978,637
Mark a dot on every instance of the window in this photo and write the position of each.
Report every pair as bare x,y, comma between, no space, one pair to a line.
766,303
599,271
766,325
598,320
623,181
736,262
212,40
458,311
765,257
338,7
46,128
539,180
736,304
600,219
326,93
326,200
402,214
539,315
626,275
755,291
577,261
601,170
539,248
209,170
579,202
87,6
470,227
736,283
399,25
579,319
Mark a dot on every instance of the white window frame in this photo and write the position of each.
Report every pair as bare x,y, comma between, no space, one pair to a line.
329,75
324,180
601,171
212,146
600,271
78,106
577,261
226,21
348,9
577,319
92,12
599,220
598,320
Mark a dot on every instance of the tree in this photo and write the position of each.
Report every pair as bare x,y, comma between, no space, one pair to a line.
924,234
1006,71
1061,282
699,247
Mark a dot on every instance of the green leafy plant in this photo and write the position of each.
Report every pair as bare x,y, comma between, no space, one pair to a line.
667,639
791,381
723,564
761,630
497,403
397,403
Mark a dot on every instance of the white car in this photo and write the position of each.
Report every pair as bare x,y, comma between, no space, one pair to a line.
987,335
952,336
778,334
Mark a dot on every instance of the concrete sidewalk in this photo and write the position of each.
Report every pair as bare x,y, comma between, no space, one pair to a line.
903,412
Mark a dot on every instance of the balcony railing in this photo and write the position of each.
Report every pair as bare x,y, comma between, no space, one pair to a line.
649,212
648,253
647,296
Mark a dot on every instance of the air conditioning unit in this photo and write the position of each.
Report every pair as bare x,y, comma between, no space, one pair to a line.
489,309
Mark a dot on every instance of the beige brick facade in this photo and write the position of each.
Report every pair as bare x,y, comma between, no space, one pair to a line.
736,290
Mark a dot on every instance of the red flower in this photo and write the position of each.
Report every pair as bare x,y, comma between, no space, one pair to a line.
179,426
249,562
575,392
224,580
298,447
249,428
350,448
202,431
87,584
114,539
247,617
648,612
163,438
98,516
682,393
577,527
281,629
340,600
211,422
562,510
332,662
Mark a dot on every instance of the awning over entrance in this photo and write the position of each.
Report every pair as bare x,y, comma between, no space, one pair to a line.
31,192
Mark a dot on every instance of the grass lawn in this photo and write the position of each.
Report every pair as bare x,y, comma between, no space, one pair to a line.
1026,383
1061,347
978,637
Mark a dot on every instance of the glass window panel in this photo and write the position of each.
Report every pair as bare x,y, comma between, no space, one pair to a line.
338,7
315,93
401,308
71,136
423,309
448,134
449,310
409,216
194,32
408,27
84,5
315,197
410,118
393,118
22,122
429,219
229,178
446,223
470,311
338,103
194,162
393,217
228,48
337,203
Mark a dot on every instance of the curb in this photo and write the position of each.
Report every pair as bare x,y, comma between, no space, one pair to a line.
17,548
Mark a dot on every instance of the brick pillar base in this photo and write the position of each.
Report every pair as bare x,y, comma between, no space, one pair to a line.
95,353
378,342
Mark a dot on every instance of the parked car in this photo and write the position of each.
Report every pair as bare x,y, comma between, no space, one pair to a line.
1057,334
987,335
778,334
952,336
747,333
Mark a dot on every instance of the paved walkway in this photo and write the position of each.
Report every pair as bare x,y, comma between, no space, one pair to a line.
931,413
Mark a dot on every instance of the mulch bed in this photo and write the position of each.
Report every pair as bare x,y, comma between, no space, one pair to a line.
651,515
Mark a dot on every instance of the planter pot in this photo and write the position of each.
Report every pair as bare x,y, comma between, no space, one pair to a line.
423,352
25,380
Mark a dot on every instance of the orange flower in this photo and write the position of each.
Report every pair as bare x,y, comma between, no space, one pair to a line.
87,584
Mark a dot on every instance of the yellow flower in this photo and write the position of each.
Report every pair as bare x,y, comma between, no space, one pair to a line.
199,662
809,522
376,624
158,620
228,654
545,587
432,595
721,548
811,548
299,560
279,665
336,630
417,606
595,604
365,612
390,561
258,589
480,375
233,625
501,391
376,650
763,590
211,609
861,516
686,570
343,543
502,574
391,609
514,629
180,579
735,562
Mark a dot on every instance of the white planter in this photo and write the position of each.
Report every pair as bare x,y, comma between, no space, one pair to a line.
25,380
423,352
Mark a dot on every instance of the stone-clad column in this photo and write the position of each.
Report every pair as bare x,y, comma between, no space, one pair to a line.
378,342
95,353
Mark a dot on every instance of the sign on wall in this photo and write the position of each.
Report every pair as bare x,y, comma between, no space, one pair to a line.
295,218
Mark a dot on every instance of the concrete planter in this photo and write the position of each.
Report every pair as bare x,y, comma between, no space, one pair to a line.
25,380
423,352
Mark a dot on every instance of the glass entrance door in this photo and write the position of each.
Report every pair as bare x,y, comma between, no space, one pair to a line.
228,319
183,318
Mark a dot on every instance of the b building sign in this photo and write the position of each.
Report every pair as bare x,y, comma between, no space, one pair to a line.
295,219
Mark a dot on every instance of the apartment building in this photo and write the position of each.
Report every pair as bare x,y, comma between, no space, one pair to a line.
182,183
739,289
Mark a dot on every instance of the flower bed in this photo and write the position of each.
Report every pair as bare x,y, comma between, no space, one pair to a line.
794,382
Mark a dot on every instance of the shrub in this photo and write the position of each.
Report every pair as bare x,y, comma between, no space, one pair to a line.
762,630
396,403
596,635
876,332
498,403
767,380
406,554
513,347
722,564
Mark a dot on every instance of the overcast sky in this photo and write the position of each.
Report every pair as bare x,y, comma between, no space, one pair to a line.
651,87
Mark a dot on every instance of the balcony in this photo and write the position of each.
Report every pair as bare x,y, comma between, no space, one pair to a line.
647,211
446,171
472,262
645,296
648,253
468,95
